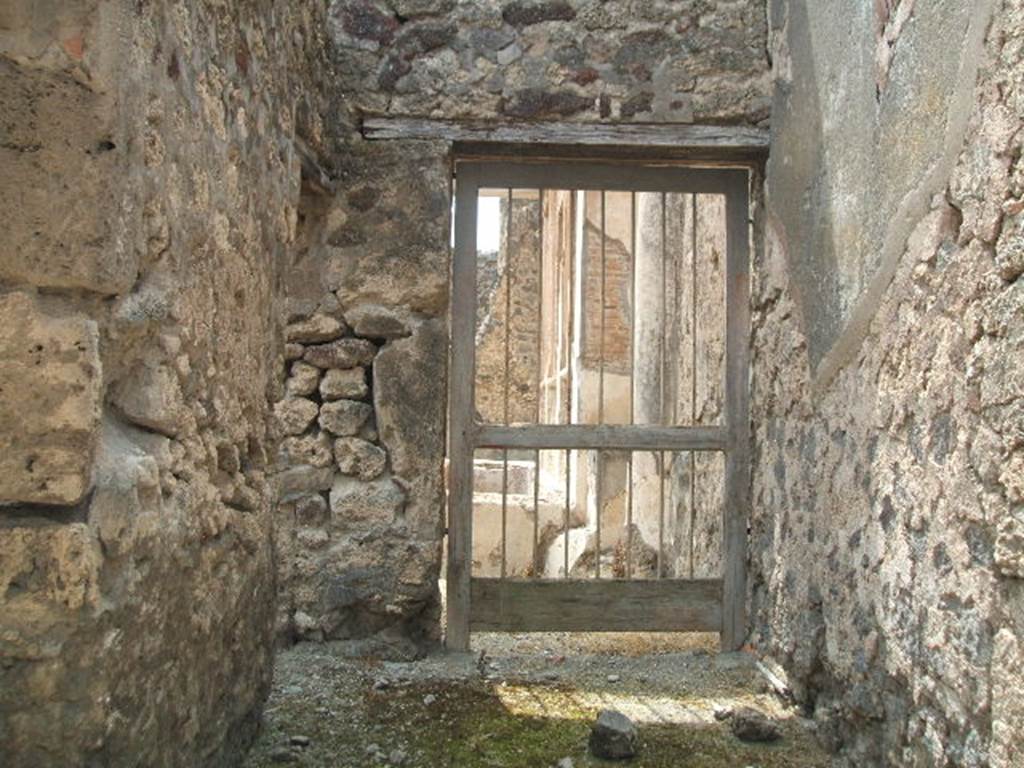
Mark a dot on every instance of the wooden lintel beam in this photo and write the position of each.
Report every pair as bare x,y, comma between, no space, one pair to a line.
708,138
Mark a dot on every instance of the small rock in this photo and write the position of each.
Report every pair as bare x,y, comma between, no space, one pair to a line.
344,417
299,741
304,379
750,725
282,755
566,762
613,736
349,383
613,678
373,749
343,353
429,699
381,684
377,322
722,713
318,328
397,757
359,457
550,676
294,414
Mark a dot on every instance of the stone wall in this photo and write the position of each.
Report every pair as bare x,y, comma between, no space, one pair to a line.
886,544
149,193
378,235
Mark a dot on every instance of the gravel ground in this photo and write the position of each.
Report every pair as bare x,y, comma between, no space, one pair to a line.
524,700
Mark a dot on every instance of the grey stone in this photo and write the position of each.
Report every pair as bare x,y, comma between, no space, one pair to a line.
316,329
295,414
613,736
311,509
343,353
750,725
376,322
355,501
303,480
409,393
150,395
359,457
304,379
344,418
349,383
50,395
293,351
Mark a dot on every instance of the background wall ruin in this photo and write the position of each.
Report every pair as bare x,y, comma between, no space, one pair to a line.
886,541
378,241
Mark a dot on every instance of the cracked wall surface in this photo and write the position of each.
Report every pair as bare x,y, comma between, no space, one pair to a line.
149,194
886,542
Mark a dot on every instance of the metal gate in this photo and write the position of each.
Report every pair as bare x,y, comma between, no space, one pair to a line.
558,369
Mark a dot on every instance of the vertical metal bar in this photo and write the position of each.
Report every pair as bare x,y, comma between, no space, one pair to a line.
462,366
663,352
539,374
565,525
632,383
600,398
508,374
661,509
737,394
571,336
693,371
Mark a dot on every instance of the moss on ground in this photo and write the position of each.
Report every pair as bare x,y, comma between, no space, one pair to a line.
478,725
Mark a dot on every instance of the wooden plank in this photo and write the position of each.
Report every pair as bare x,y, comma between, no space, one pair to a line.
737,395
672,135
604,436
606,176
669,605
460,404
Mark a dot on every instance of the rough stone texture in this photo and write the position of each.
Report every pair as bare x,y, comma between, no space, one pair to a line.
679,61
613,736
295,414
350,384
750,725
344,417
49,402
359,457
886,497
149,193
344,353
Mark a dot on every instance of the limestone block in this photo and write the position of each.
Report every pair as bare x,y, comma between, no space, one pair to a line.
359,457
293,351
409,381
344,417
294,414
314,450
63,171
318,328
50,382
353,500
376,322
349,383
343,353
150,395
304,379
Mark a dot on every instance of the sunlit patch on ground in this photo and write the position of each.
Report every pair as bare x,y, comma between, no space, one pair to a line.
520,709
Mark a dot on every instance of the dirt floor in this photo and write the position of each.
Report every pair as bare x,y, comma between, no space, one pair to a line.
525,700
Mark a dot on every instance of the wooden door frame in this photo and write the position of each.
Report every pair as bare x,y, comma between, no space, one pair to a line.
704,605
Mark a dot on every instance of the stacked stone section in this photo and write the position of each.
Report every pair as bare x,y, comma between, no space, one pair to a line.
342,502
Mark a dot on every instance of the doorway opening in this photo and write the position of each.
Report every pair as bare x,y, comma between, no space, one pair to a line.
598,452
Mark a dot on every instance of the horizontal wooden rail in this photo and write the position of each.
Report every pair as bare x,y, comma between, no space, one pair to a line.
602,437
606,605
668,135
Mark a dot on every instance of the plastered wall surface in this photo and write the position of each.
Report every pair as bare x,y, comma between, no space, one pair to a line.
886,541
